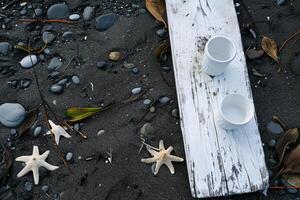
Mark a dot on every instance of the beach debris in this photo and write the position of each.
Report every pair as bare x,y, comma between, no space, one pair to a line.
162,156
158,10
163,48
79,113
34,162
270,47
58,131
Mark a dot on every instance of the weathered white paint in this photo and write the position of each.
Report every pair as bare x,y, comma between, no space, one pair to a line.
219,162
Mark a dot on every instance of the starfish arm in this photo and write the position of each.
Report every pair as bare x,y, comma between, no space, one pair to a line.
49,132
56,136
161,145
52,124
36,176
169,150
48,166
35,151
149,160
25,159
24,171
63,132
175,158
170,166
152,152
44,155
159,163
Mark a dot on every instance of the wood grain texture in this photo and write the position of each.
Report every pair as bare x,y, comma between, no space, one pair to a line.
219,162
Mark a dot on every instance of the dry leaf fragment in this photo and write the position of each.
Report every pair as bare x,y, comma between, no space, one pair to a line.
292,179
291,163
158,10
270,47
287,138
163,48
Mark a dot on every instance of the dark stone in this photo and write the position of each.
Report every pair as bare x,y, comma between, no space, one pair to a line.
104,22
58,11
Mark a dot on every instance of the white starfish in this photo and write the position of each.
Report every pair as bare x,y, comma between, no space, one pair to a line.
34,162
58,131
161,157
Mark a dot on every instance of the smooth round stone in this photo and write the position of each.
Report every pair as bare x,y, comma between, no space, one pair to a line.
106,21
136,91
12,114
164,100
49,51
45,188
76,127
69,156
75,80
272,143
128,65
23,12
29,61
74,17
68,35
13,131
28,186
48,37
38,12
62,82
135,70
161,32
147,102
56,89
55,64
54,74
101,65
42,57
5,47
37,131
292,190
88,13
58,11
175,113
25,83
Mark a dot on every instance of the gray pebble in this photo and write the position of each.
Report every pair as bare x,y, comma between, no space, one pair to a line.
13,131
135,70
62,82
56,89
164,100
161,32
136,91
25,83
128,65
106,21
69,156
42,57
38,12
147,102
75,80
48,51
88,13
12,114
48,37
292,190
55,64
175,113
23,12
67,35
58,11
102,65
5,48
74,17
45,188
28,186
272,143
76,127
37,131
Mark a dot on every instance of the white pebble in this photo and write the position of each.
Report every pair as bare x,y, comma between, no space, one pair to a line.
74,17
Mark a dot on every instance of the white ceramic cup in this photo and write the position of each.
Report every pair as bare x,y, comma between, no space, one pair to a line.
219,51
235,111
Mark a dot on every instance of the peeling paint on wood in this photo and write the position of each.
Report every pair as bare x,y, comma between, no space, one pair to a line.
219,162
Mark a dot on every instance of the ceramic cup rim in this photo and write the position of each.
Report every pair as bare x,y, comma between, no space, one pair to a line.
250,113
212,57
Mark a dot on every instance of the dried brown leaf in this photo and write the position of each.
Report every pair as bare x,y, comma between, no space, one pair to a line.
270,47
164,47
292,179
291,162
29,121
287,138
158,10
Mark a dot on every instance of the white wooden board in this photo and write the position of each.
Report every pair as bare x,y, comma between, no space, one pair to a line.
219,162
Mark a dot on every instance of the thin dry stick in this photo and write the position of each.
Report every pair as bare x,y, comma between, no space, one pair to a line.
46,113
77,131
284,187
287,40
44,21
